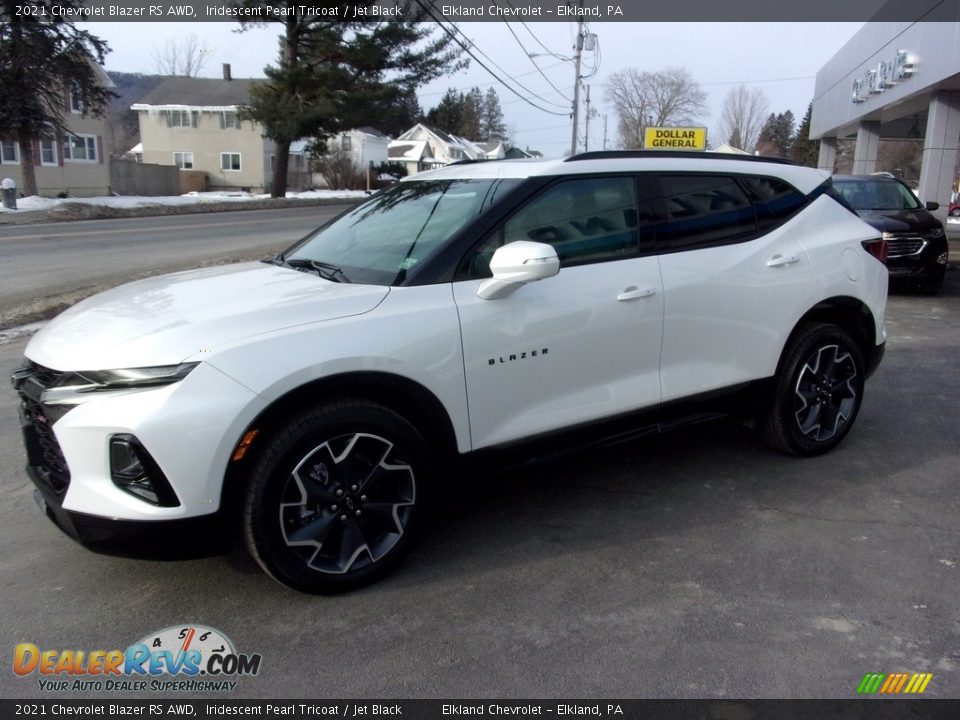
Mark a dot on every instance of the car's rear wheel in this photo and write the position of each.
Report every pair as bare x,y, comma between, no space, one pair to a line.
817,391
336,496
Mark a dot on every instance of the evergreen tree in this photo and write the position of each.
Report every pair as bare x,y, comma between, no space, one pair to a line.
776,136
448,114
334,75
491,119
44,62
472,111
805,151
474,115
399,116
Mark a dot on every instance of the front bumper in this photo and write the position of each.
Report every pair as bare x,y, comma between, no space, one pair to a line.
189,428
189,537
921,266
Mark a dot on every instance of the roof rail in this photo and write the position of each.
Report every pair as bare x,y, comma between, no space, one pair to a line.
706,155
469,161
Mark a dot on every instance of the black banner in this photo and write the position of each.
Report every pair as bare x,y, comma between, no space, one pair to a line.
440,709
500,10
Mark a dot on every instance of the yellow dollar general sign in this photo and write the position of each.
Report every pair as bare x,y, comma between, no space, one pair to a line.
894,683
665,138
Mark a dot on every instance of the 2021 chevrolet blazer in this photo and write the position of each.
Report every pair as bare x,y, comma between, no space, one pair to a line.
316,398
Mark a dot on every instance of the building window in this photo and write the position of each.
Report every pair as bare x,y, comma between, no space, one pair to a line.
80,148
229,161
229,120
76,99
346,142
48,150
183,160
178,118
9,152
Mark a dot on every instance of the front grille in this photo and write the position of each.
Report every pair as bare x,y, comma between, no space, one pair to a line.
43,450
903,245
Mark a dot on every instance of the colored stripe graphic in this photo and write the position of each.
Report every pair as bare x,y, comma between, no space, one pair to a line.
894,683
870,683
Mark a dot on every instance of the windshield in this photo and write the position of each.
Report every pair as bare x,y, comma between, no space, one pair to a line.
381,240
877,194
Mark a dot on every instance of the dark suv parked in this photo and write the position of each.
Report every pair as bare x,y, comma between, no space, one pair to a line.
917,244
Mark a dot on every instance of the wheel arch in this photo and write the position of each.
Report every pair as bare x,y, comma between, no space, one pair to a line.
404,396
851,314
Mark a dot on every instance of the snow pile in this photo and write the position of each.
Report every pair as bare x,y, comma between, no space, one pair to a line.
34,203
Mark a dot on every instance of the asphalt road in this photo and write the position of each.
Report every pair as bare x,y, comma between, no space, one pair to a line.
47,264
695,564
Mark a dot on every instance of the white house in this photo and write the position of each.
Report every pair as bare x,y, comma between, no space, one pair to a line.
444,148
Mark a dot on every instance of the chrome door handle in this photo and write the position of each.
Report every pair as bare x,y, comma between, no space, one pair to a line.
633,293
778,260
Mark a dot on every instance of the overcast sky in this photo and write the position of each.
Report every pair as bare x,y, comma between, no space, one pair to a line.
780,58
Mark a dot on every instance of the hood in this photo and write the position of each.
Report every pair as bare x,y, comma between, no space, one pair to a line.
900,221
166,319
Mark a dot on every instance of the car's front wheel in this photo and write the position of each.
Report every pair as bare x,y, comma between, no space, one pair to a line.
336,496
817,391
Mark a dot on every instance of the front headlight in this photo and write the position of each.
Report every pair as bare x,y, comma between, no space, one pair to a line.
936,232
74,388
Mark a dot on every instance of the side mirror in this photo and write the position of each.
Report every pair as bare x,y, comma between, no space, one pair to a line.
516,264
931,206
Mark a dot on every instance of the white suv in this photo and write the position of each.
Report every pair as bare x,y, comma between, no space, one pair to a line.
314,399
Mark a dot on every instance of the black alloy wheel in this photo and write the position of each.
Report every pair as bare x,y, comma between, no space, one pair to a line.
336,496
818,391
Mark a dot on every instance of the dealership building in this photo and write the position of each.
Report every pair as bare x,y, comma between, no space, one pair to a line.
896,80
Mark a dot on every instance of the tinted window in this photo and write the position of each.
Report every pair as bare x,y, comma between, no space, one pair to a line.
774,200
706,209
877,194
586,220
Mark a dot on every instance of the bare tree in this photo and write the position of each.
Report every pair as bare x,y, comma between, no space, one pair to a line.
744,112
641,99
184,57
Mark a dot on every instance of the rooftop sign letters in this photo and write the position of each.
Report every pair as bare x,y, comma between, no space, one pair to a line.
666,138
885,75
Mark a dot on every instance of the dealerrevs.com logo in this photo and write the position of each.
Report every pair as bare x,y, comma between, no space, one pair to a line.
189,658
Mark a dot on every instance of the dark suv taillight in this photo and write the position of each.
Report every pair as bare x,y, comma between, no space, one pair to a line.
877,247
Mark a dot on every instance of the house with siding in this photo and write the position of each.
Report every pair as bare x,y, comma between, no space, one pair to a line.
439,148
194,123
73,162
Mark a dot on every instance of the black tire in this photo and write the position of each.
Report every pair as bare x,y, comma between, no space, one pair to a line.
336,497
817,391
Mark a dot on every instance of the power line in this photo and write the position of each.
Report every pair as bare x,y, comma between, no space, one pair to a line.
467,49
757,82
485,84
530,58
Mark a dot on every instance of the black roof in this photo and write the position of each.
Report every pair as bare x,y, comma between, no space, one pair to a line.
200,91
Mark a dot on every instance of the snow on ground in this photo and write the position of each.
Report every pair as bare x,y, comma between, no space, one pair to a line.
33,202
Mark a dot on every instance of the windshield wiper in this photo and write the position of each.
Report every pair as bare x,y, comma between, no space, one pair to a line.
324,270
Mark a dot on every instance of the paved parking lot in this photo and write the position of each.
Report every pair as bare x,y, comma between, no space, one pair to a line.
697,564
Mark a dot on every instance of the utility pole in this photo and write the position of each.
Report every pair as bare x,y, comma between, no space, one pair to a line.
604,132
578,50
586,134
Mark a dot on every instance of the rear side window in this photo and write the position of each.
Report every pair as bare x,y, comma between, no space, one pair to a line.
774,200
706,210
